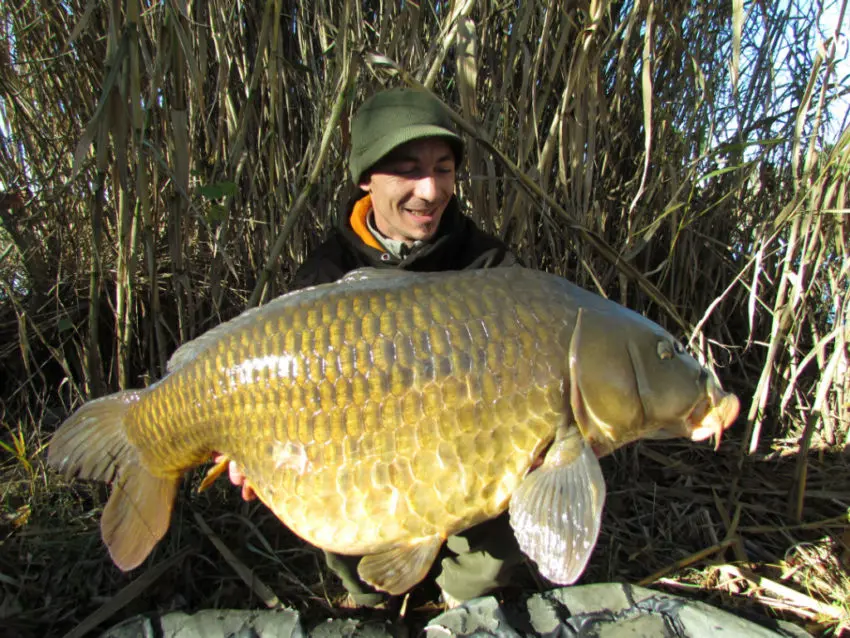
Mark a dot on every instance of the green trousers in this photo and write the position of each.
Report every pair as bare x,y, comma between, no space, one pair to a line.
471,564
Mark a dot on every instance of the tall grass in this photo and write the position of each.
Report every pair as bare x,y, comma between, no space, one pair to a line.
165,165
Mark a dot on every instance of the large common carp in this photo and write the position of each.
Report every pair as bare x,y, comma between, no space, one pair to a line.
380,414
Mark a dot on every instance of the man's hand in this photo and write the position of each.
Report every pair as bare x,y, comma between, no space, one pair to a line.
237,478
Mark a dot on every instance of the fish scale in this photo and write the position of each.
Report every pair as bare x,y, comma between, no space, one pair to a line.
424,406
381,414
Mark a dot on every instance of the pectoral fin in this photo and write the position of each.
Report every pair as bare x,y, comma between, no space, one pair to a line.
556,511
400,568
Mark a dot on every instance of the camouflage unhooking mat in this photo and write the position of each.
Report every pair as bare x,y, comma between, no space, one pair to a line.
589,611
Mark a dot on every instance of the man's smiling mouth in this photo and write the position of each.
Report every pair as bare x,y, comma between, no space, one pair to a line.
421,214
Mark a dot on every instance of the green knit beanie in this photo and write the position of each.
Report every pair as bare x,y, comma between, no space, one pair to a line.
391,118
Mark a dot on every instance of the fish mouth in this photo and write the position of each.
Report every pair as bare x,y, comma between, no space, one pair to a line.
714,414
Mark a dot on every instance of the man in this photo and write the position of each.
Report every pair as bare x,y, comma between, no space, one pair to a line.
404,157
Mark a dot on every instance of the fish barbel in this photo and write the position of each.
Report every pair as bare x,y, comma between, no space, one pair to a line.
382,413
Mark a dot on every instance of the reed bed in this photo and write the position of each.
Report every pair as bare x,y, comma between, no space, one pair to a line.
163,166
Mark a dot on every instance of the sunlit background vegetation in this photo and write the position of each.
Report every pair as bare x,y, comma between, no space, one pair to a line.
164,165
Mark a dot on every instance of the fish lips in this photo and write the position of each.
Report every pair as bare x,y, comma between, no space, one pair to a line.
714,414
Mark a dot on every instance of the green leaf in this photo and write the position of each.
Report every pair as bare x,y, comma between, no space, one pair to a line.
738,147
218,190
216,213
727,169
64,325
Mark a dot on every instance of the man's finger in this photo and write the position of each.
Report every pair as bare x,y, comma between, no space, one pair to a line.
236,475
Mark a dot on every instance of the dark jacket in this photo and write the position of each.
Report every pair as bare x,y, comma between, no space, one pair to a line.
458,245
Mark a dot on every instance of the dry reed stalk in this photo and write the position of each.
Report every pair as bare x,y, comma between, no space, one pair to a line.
127,595
651,139
263,591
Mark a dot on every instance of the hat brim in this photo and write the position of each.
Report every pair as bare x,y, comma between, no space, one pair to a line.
395,138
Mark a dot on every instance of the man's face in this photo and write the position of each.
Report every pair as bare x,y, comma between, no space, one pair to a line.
411,188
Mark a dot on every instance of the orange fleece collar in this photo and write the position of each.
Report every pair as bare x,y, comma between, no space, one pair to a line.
359,214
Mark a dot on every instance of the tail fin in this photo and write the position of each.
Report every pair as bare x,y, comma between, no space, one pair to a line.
92,444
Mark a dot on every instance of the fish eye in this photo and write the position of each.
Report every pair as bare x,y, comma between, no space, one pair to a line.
665,350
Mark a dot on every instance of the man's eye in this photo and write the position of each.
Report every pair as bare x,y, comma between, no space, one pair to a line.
403,169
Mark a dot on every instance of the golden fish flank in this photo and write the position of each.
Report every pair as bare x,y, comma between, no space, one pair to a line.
380,414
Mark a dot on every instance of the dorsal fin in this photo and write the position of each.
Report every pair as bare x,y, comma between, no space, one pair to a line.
365,276
374,274
191,349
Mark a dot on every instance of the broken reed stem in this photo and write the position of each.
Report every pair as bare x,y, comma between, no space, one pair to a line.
689,560
127,595
263,591
94,369
730,525
798,490
839,522
791,595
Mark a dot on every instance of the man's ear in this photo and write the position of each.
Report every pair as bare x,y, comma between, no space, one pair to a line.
365,183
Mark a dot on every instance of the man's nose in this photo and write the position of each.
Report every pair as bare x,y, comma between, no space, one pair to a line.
426,188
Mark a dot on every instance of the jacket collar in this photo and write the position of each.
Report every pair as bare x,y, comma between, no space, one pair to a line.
449,235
